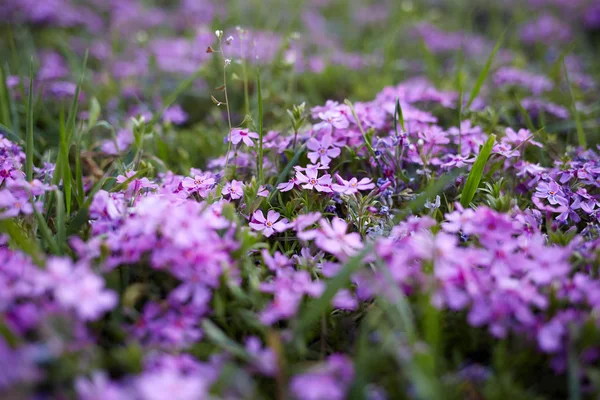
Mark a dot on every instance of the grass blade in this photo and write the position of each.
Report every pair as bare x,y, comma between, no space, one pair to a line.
575,112
260,129
477,172
60,222
29,128
484,73
398,117
4,99
360,127
46,232
220,339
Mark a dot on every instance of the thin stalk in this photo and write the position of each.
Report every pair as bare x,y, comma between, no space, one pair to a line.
225,62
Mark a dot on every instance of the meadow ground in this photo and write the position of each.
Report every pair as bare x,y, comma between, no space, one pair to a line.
310,200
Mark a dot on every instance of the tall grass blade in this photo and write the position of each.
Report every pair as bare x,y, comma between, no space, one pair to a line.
60,222
29,128
260,129
486,69
575,112
4,99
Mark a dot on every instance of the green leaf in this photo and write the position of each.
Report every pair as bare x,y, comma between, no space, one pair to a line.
486,69
95,110
476,173
220,339
20,239
398,117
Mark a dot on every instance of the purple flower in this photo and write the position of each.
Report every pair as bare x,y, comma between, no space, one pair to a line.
322,151
76,287
504,149
517,138
551,191
268,225
287,186
550,336
457,161
200,184
331,119
312,181
332,238
234,189
263,359
352,186
328,381
239,135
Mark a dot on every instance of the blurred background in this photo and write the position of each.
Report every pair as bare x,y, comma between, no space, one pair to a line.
140,51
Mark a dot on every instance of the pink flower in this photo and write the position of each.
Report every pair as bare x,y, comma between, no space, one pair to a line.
238,135
517,138
268,225
287,186
457,161
353,185
200,183
234,189
504,149
262,191
323,150
312,181
304,221
76,287
333,238
332,119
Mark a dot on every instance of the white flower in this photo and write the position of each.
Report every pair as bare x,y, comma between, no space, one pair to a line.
219,34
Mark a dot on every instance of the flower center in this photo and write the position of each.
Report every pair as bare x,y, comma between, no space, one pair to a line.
312,181
269,224
322,151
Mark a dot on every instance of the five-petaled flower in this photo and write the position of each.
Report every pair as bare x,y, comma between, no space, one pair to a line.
323,150
352,186
268,225
332,238
551,191
234,189
311,180
199,183
243,135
